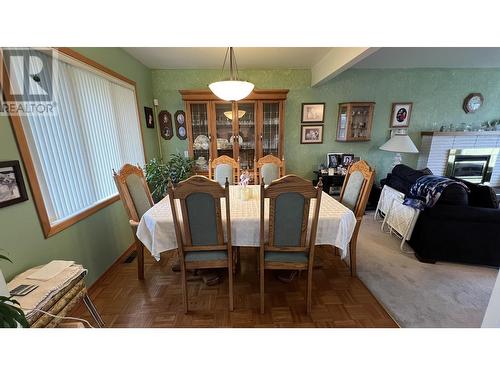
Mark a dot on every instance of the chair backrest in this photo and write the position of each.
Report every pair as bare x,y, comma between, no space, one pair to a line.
134,191
357,186
289,203
268,168
222,167
200,204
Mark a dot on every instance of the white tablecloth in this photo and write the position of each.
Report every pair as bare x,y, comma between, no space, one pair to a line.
335,226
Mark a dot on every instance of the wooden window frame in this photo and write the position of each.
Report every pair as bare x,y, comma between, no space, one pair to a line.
50,229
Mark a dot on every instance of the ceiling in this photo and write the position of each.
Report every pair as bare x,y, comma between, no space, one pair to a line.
324,62
213,57
432,57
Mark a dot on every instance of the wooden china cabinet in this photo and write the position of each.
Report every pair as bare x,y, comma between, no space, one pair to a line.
247,129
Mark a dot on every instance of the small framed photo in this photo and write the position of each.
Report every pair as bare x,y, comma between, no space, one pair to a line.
311,134
347,159
333,159
12,189
165,123
150,120
313,113
400,117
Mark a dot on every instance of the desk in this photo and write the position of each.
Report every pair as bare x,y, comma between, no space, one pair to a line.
335,225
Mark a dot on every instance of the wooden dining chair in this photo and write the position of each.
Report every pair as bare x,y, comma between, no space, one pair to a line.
222,167
288,246
354,195
199,228
268,168
136,197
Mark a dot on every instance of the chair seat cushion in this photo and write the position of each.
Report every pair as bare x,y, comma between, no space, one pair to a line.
200,256
286,256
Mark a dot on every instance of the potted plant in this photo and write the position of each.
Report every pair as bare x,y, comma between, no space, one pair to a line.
158,173
11,316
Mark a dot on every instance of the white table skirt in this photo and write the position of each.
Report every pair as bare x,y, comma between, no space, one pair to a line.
335,226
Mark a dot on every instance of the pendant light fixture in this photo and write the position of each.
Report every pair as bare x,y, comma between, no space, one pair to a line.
231,89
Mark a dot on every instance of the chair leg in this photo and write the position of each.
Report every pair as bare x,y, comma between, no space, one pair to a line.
309,288
352,256
231,292
261,277
140,260
184,286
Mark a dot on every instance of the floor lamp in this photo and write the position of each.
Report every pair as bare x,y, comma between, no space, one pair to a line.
399,143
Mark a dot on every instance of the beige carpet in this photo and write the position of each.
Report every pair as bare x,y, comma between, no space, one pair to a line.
419,294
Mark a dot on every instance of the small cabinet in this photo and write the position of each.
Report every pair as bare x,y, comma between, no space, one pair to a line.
245,130
355,121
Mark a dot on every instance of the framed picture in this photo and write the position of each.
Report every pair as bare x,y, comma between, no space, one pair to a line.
150,119
400,117
165,121
180,124
313,112
333,159
347,159
12,189
311,134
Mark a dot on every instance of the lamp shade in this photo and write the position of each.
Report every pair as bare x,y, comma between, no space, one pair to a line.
229,114
231,90
400,143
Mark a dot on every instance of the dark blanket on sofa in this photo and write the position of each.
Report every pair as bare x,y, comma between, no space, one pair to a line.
425,192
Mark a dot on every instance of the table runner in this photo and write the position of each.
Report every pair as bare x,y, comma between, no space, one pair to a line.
335,225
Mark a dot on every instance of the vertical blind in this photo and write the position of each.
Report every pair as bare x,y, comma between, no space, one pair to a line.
95,129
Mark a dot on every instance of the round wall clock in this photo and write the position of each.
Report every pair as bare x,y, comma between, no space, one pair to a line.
473,102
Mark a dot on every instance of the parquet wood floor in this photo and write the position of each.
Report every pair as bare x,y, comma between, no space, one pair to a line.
338,300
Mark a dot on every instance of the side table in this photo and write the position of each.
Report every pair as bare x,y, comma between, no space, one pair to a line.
58,303
331,183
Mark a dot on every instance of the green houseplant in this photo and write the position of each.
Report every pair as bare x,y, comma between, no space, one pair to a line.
11,316
158,173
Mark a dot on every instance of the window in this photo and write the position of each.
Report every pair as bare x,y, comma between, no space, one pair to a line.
94,130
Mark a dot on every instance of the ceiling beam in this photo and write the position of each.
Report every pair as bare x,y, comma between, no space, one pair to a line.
336,61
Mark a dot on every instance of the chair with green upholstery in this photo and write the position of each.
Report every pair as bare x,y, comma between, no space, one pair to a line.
222,168
136,197
268,169
196,209
354,195
288,245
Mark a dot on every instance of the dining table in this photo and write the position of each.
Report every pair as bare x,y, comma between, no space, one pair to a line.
335,227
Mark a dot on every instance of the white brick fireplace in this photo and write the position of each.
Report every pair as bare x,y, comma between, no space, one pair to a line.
436,146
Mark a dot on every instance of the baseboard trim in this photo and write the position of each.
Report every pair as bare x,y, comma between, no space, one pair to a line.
118,260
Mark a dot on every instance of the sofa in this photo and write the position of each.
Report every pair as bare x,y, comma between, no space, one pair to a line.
463,226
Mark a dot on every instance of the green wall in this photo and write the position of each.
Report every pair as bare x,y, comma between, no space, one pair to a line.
95,241
437,96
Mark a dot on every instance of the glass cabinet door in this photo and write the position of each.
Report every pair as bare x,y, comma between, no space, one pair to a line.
359,128
201,135
246,133
342,123
270,129
224,129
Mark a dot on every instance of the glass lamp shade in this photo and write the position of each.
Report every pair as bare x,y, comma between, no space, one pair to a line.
229,114
231,90
400,143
